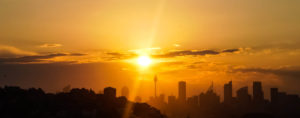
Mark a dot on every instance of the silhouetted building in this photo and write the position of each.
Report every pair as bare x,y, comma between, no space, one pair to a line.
228,93
161,98
138,99
155,86
171,99
274,95
110,92
242,96
125,92
194,100
258,94
182,91
209,99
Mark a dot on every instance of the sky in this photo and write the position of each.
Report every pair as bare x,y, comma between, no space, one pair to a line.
95,43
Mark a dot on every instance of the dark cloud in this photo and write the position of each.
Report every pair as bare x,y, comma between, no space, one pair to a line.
287,72
230,50
36,58
193,53
77,54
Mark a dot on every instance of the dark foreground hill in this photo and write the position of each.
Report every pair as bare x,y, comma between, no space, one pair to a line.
78,103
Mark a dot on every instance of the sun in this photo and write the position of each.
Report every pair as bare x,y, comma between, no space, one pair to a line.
144,61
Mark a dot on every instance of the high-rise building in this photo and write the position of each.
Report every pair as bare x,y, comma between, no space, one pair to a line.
182,91
242,96
274,95
209,99
258,94
155,89
194,100
171,99
228,92
125,92
110,92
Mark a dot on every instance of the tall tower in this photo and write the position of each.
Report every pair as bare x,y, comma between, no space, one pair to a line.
258,94
182,91
242,96
155,81
125,92
274,95
228,92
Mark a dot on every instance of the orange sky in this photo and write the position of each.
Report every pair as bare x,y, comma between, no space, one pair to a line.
94,43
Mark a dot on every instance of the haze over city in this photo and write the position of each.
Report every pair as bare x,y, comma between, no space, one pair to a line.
94,44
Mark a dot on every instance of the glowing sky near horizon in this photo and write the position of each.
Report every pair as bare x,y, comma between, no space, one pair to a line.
192,40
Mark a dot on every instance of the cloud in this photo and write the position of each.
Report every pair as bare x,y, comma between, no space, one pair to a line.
119,56
50,45
286,72
36,58
230,50
193,53
10,51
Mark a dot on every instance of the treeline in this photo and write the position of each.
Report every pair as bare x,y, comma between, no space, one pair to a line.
78,103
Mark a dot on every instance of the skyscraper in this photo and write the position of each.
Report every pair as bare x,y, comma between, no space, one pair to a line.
228,92
274,95
125,92
182,91
258,94
171,99
155,81
110,92
242,96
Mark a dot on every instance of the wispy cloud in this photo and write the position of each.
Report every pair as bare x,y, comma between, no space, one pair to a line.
193,53
36,58
50,45
120,56
10,51
287,72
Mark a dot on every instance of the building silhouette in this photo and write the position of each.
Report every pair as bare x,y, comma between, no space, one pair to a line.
258,94
228,93
243,97
138,99
182,91
209,99
110,92
194,100
155,86
171,99
274,95
125,92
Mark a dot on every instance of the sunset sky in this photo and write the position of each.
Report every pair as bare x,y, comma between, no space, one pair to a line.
97,43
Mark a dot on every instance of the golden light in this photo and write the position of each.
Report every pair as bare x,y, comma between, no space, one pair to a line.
144,61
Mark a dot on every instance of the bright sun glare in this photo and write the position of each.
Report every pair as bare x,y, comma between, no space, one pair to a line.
144,61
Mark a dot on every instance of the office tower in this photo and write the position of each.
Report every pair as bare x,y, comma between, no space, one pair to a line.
110,92
209,99
171,99
155,81
258,94
182,91
228,93
125,92
161,98
194,100
274,95
242,96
